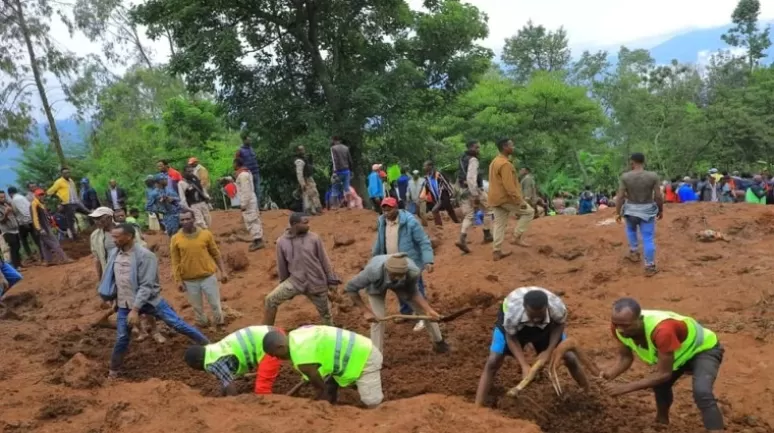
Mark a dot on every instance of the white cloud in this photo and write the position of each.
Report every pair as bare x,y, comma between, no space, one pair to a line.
590,24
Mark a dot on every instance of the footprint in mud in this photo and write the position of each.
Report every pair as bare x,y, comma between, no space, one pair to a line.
21,302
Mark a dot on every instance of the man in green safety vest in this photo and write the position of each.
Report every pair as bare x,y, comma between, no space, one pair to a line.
235,355
342,357
676,345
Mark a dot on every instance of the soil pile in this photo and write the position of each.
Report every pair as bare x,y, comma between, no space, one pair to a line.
52,349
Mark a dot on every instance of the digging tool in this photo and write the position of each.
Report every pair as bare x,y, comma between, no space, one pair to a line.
293,391
514,392
442,319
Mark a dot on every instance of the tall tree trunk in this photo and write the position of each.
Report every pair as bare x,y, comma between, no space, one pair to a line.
39,83
140,48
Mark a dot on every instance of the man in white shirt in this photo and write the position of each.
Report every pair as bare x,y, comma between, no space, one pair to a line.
530,315
23,211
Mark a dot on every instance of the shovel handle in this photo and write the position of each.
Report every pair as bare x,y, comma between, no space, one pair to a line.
408,317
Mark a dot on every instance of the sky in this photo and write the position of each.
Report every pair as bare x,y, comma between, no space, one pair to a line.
590,24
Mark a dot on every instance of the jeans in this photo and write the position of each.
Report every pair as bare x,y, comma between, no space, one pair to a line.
648,232
342,187
12,239
704,367
405,308
163,312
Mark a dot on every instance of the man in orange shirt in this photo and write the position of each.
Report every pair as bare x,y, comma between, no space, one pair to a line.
506,199
674,345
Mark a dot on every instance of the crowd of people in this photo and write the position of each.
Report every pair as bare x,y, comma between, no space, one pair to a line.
329,357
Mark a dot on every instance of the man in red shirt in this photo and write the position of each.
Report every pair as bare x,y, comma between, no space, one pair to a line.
174,175
675,345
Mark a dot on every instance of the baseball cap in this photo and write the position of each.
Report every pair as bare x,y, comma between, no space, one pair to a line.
390,202
85,180
101,211
415,172
713,170
193,160
376,167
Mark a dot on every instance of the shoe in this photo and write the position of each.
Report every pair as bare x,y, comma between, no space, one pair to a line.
488,239
462,244
256,245
499,255
519,240
633,256
419,326
441,347
650,270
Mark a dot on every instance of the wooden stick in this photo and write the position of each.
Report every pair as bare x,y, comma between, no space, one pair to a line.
513,392
293,391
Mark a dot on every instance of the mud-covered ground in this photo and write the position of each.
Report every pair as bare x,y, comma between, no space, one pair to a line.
54,362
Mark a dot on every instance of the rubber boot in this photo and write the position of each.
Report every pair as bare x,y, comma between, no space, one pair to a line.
441,347
488,239
256,245
462,244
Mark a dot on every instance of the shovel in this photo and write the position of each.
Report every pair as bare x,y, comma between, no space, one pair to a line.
442,319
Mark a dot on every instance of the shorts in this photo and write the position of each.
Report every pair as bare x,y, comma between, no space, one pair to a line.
539,340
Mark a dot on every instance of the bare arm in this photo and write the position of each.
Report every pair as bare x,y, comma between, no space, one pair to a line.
620,196
624,363
662,374
310,370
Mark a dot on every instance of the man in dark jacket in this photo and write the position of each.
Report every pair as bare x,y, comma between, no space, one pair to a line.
89,195
247,155
115,197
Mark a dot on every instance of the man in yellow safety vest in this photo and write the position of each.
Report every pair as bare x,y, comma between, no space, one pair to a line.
235,355
341,356
675,345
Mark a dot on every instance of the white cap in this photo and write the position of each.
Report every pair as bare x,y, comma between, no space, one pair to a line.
713,170
415,172
101,211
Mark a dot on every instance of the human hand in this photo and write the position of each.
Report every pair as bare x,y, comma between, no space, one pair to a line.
434,314
525,368
134,318
181,287
660,215
614,390
429,268
476,201
224,278
618,219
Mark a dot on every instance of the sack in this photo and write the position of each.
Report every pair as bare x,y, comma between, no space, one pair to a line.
11,275
108,292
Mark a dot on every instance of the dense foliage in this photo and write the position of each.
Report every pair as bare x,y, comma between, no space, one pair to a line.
400,86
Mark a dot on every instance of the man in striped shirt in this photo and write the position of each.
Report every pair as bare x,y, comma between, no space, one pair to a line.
529,315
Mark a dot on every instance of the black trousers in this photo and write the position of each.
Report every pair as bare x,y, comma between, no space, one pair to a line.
12,239
25,232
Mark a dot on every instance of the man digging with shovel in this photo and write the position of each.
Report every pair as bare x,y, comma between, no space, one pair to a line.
530,315
398,273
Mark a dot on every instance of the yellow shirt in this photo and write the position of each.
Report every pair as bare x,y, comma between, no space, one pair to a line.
194,256
61,188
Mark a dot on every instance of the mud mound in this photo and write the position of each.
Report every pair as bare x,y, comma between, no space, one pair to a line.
725,285
236,261
78,248
81,373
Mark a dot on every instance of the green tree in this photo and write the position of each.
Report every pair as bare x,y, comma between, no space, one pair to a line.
746,32
534,49
322,68
28,50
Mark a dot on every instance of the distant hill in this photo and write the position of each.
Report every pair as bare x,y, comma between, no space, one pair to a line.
71,133
693,46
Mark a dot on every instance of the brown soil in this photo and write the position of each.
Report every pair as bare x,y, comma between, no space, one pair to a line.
54,360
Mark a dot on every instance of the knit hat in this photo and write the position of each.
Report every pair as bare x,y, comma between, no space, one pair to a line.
397,264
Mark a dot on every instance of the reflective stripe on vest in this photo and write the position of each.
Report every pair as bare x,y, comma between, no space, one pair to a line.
339,365
249,351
